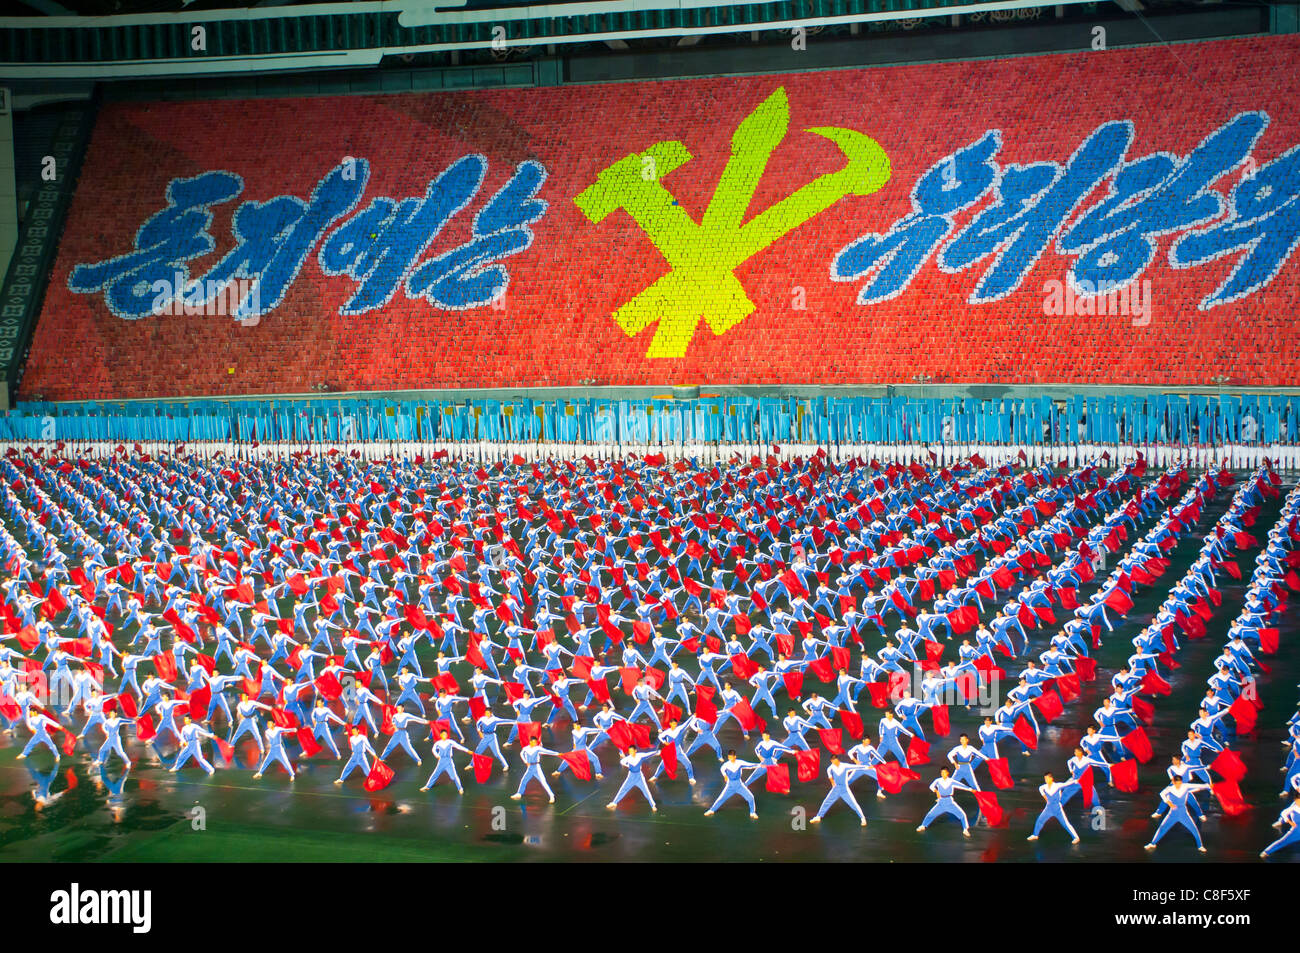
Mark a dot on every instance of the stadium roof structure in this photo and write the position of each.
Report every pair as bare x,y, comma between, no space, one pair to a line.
104,39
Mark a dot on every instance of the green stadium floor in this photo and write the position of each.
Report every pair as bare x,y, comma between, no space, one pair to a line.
312,820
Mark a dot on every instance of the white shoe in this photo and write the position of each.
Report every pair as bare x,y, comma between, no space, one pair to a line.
611,805
515,797
921,829
753,815
966,832
708,813
1202,850
1032,837
1149,847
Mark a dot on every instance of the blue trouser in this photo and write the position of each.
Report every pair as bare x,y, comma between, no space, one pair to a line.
400,737
1178,816
533,772
110,745
248,726
444,767
892,746
705,739
839,793
322,733
41,737
966,775
276,755
1055,812
634,779
191,751
679,691
914,726
1290,837
645,708
490,743
358,760
733,788
943,806
410,696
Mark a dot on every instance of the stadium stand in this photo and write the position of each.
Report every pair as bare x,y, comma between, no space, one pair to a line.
481,238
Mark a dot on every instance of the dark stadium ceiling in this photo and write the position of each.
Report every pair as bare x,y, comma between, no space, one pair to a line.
37,8
95,8
71,40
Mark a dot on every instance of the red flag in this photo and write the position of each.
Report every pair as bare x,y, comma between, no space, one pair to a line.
1137,742
1229,765
1268,641
939,718
1144,710
793,683
821,667
918,752
328,685
1000,772
745,715
668,754
599,689
227,752
777,778
482,768
1125,775
577,760
28,638
379,776
1244,714
620,733
1153,684
1049,705
199,702
528,730
1119,601
1086,786
989,806
852,723
308,742
809,763
144,728
891,776
1068,686
474,655
629,675
1229,795
832,738
1025,732
879,692
1086,668
165,666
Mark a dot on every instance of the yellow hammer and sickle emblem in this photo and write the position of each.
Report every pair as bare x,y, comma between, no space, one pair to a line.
703,257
